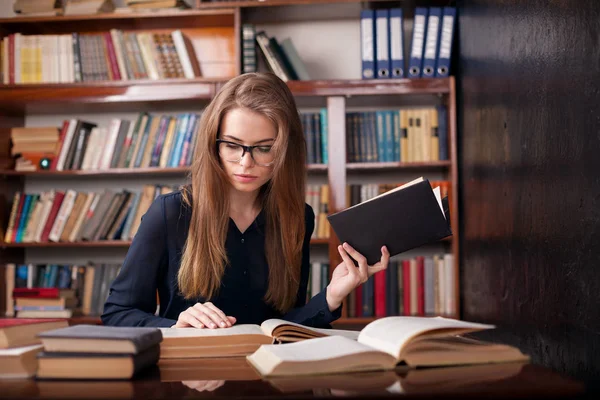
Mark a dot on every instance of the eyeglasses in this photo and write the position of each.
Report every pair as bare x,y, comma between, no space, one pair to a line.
262,155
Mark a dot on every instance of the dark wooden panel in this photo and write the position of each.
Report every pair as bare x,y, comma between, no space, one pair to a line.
529,145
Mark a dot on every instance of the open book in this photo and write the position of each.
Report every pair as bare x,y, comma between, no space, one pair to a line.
382,345
404,218
239,340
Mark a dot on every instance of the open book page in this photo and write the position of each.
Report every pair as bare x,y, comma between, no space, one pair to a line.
244,329
391,334
273,327
17,351
329,354
413,182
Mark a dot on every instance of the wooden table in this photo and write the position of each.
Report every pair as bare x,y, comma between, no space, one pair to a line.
234,378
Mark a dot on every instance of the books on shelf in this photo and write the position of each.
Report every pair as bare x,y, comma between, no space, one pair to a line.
404,218
407,135
237,340
73,216
56,291
282,59
114,55
384,344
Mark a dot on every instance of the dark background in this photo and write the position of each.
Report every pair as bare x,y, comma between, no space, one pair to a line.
529,151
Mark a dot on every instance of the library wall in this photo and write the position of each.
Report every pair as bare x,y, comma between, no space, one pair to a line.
529,145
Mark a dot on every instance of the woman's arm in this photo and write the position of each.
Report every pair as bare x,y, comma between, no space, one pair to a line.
316,312
132,297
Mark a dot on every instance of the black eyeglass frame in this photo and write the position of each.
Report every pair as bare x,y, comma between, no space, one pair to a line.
246,149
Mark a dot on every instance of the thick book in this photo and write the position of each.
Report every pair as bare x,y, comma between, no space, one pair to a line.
238,340
100,339
19,362
383,345
16,332
95,365
404,218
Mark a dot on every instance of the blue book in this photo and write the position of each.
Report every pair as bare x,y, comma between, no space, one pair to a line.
396,43
382,28
446,39
181,130
367,43
432,41
415,64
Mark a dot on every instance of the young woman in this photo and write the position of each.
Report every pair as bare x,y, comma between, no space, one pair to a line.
233,246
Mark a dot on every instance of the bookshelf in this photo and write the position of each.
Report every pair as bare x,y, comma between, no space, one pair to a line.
209,24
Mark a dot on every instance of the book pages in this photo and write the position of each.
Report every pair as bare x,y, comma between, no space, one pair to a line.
244,329
391,334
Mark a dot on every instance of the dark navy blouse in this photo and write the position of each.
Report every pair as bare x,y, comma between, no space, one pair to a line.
154,258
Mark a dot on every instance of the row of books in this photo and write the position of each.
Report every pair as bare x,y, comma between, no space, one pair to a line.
317,196
315,133
418,286
106,56
150,141
407,135
72,216
382,43
281,58
56,291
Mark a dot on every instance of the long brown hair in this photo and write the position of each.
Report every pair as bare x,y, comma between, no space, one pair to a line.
282,198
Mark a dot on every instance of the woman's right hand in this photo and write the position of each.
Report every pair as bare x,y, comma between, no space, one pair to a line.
204,315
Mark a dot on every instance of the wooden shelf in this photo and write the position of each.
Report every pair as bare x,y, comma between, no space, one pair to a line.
88,320
122,172
81,96
99,243
270,3
370,166
22,23
366,87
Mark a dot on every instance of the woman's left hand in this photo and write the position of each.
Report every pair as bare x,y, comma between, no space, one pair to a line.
346,277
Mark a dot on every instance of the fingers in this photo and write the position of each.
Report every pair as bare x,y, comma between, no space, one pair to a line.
381,264
207,316
232,320
363,267
223,322
189,318
352,270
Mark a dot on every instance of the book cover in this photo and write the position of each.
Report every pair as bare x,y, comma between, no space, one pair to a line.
402,219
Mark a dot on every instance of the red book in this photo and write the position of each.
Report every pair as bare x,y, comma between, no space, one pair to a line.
406,285
45,293
17,332
61,141
358,302
420,285
380,294
58,199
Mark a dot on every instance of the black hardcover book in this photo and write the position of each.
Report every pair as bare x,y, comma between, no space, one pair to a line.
401,219
100,339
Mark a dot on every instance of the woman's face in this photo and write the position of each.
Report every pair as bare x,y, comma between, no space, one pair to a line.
244,127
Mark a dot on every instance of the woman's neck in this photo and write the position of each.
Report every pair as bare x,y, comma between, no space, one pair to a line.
243,203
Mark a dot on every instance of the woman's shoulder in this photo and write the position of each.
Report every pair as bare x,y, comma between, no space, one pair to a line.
173,204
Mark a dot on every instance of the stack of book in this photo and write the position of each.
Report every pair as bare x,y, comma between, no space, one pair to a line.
19,345
97,352
45,302
31,145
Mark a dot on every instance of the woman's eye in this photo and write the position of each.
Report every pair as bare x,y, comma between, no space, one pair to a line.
231,146
264,149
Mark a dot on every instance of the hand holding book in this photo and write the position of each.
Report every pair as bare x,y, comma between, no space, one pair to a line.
347,276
